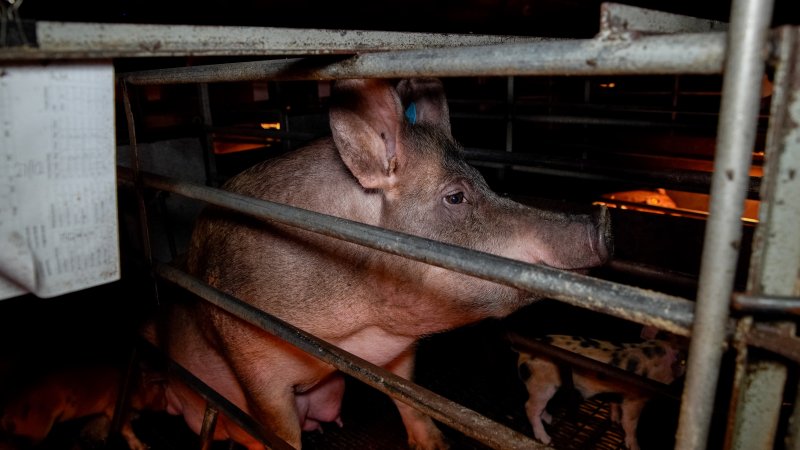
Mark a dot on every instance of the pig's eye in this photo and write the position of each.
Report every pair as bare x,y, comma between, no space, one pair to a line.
455,199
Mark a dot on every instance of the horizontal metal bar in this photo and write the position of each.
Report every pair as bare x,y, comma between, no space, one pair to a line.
575,120
574,359
653,273
666,312
684,179
766,304
670,54
118,40
223,132
430,403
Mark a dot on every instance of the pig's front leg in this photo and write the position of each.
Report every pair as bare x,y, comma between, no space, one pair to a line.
631,410
268,371
423,434
271,402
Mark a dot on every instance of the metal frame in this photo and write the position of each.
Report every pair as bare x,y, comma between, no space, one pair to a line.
740,54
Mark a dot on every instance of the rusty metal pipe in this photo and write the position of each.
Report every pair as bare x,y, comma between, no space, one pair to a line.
699,53
744,70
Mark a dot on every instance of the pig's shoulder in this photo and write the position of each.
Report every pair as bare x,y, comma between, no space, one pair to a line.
313,165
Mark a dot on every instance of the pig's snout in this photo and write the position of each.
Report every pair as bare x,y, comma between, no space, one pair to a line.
572,242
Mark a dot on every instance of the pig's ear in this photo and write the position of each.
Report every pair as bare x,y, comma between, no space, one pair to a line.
424,101
366,117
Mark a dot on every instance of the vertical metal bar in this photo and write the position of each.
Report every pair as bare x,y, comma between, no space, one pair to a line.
144,223
755,399
744,68
676,92
208,143
123,393
509,124
169,230
740,346
209,424
758,406
776,261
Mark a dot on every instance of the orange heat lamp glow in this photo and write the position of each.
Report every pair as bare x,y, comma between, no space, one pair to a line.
271,126
608,85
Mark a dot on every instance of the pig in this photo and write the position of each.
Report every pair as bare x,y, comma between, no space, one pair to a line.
656,358
391,162
76,392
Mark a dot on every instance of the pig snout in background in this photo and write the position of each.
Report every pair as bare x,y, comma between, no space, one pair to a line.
391,162
658,359
29,413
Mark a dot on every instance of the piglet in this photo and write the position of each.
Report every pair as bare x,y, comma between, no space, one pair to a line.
78,392
657,359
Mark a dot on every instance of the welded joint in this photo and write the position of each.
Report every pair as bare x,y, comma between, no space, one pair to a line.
626,22
778,339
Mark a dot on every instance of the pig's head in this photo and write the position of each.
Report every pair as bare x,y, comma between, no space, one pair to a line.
396,141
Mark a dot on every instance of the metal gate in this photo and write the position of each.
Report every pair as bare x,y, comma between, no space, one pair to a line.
631,42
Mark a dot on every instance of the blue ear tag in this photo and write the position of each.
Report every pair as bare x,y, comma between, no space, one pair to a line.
411,113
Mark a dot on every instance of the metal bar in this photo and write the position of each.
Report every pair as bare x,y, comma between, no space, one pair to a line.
653,273
209,163
56,40
740,346
169,230
574,359
259,133
654,55
776,340
684,179
757,396
122,404
436,406
775,262
666,312
577,120
766,304
144,223
744,69
209,424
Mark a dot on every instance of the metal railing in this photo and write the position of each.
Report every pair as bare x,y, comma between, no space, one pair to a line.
739,54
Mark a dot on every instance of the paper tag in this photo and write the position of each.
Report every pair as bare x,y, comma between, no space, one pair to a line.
58,197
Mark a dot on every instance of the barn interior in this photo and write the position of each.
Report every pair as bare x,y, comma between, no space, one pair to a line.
642,145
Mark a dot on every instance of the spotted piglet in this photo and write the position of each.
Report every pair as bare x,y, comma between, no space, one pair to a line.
657,359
